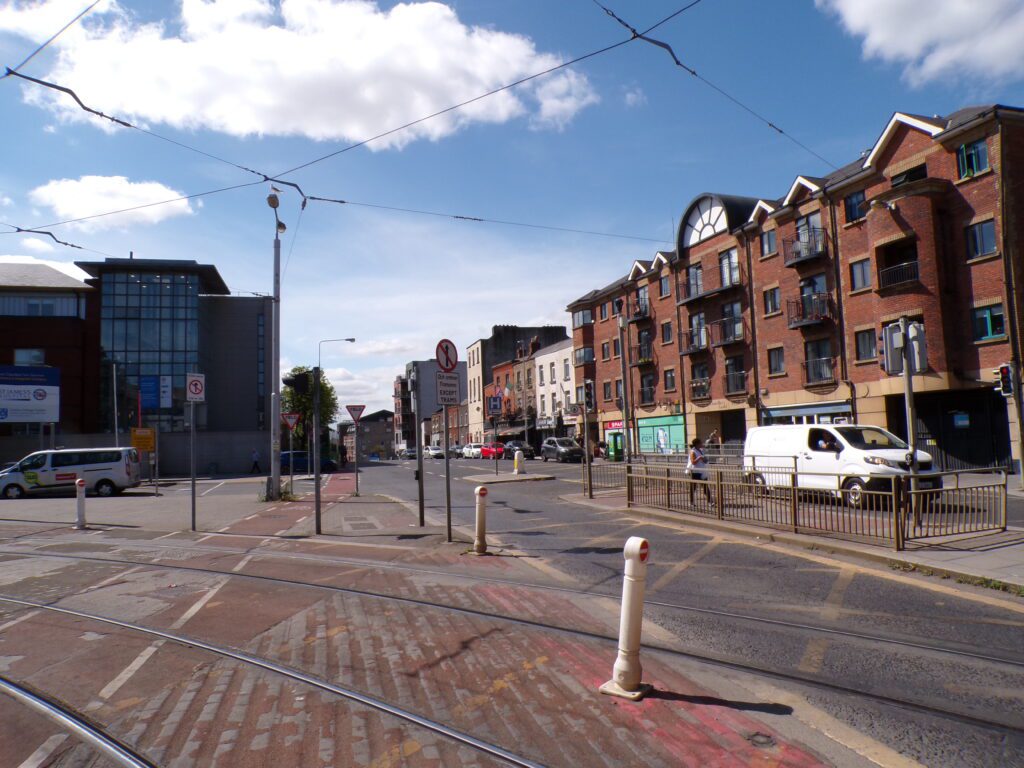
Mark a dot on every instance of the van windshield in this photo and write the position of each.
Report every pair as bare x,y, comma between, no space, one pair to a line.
870,437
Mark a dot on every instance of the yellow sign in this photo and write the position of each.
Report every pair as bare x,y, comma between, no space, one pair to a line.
144,439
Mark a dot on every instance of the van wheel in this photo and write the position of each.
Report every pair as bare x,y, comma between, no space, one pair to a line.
854,488
14,491
760,485
105,488
544,457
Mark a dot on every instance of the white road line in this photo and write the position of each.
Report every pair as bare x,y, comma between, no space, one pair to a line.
221,530
115,577
218,485
167,535
204,538
281,532
42,754
252,517
21,618
242,563
302,519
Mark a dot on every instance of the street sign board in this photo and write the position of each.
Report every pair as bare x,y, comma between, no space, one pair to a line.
29,394
494,405
291,419
149,392
447,355
355,411
447,388
144,438
195,387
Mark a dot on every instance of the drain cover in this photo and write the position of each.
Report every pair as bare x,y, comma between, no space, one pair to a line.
762,740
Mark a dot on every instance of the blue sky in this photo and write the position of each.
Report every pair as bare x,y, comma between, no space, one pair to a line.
617,144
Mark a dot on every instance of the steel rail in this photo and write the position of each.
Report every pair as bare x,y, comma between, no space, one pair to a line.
67,719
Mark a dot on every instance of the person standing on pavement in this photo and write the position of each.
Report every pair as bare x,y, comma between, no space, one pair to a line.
255,469
696,468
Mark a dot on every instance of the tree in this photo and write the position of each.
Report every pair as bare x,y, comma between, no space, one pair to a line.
302,404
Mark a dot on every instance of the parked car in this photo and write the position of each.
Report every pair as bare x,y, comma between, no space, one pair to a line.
561,449
518,445
301,461
106,471
471,451
407,453
455,451
434,452
848,457
492,450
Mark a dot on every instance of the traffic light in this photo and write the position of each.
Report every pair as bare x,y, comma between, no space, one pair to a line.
588,395
299,382
1004,379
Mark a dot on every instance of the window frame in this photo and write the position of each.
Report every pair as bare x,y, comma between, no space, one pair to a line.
782,360
858,207
988,313
666,332
863,334
866,264
966,154
971,233
776,304
664,286
773,235
669,386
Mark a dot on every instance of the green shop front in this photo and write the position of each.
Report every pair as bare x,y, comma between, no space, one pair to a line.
662,434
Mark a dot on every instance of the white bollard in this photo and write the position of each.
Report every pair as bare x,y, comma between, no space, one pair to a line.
627,672
80,502
520,464
480,541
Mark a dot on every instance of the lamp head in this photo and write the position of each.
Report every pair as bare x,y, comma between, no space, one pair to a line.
281,227
273,201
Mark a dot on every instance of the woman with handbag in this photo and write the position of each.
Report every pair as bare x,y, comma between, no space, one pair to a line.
696,468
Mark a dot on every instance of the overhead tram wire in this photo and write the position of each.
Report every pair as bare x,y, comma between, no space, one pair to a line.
15,230
27,59
693,72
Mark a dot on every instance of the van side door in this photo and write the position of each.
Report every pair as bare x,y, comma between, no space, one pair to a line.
66,468
36,471
820,459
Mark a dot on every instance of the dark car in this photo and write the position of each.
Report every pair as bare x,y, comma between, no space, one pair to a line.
561,449
301,461
407,453
518,445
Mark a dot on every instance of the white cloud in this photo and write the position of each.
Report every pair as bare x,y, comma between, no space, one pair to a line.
938,40
36,245
75,198
5,201
323,69
376,347
635,97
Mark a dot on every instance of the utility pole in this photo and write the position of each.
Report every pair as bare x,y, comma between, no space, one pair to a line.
274,492
623,351
117,430
908,397
414,385
587,453
316,447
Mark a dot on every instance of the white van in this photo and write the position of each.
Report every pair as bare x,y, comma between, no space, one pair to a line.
853,457
106,471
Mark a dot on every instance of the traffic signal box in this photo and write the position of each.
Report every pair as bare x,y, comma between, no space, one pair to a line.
1004,379
300,382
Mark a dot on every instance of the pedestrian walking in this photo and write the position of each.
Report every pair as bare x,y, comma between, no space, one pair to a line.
255,469
696,468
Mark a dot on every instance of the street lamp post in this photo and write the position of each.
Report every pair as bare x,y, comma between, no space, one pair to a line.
623,308
317,375
274,491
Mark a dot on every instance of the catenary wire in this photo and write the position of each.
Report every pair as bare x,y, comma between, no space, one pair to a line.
15,230
13,71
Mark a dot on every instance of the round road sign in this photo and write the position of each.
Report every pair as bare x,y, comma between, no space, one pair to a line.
644,550
482,491
447,355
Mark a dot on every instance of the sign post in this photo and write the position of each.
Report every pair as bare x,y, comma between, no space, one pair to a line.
195,392
356,411
493,410
447,394
291,419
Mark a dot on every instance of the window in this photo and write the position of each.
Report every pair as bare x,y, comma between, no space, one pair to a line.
540,375
615,307
860,274
735,376
695,280
699,371
648,386
519,379
551,370
988,322
776,360
768,246
664,286
981,239
605,350
543,406
615,348
972,158
865,341
914,174
607,390
581,318
670,380
29,357
580,356
856,206
666,332
565,370
529,377
603,310
729,267
818,356
41,308
618,388
772,299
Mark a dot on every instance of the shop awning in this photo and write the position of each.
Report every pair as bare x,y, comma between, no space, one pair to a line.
810,410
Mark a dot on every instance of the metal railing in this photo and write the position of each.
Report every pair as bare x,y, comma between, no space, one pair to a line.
728,330
809,244
642,354
809,309
639,309
647,395
693,340
898,274
778,496
700,389
820,371
606,477
735,382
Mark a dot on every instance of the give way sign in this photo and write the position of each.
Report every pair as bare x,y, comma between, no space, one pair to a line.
355,411
291,419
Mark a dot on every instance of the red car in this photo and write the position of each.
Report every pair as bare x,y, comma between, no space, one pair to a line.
492,450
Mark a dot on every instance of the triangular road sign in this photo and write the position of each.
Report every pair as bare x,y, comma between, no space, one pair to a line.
291,419
355,411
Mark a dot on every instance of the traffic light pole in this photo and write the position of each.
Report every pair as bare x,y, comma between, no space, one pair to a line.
587,453
316,448
908,398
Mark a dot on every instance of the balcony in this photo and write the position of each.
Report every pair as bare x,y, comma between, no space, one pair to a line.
693,341
647,395
819,372
812,309
700,389
809,244
641,354
729,330
735,382
639,310
898,274
694,292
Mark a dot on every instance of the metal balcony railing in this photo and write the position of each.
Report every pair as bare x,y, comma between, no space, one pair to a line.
700,389
647,395
735,382
693,340
700,291
639,309
728,330
642,354
809,310
820,371
809,244
898,274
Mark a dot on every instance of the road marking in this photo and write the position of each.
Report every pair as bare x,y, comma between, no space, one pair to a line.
252,517
226,527
204,538
282,532
167,535
242,563
21,618
43,752
682,565
115,577
218,485
814,654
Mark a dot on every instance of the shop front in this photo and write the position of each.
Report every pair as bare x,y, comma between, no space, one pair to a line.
662,434
614,439
836,412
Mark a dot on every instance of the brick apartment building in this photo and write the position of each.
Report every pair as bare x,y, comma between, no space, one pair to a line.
778,304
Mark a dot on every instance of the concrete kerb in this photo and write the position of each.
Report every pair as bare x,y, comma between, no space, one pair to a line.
490,479
889,558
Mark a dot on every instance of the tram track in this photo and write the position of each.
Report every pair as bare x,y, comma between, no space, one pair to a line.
1013,728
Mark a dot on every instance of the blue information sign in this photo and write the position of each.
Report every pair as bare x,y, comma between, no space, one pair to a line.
149,388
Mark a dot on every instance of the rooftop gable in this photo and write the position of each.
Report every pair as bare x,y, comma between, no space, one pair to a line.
931,126
808,184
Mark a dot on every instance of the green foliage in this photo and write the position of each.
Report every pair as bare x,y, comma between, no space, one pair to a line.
293,402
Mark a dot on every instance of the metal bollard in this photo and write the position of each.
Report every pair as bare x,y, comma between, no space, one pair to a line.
480,540
80,505
520,464
627,672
